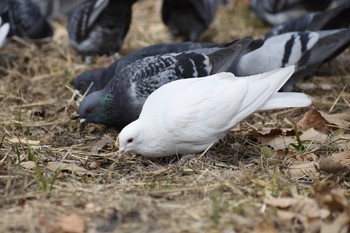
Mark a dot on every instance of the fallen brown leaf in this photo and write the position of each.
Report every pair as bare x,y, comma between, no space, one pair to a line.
265,226
313,119
277,143
72,167
73,224
343,157
302,169
97,146
329,165
313,135
341,120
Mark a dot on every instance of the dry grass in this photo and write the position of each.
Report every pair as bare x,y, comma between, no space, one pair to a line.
48,170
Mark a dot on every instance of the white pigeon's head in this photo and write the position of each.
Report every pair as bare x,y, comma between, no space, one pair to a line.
130,138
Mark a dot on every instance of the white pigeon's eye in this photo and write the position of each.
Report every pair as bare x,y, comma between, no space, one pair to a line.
130,140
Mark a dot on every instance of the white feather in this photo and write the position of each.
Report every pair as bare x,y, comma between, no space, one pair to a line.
4,30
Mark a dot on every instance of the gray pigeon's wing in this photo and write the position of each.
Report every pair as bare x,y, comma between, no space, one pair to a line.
224,58
164,69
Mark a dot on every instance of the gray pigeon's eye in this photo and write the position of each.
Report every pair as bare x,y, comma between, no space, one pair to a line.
89,110
130,140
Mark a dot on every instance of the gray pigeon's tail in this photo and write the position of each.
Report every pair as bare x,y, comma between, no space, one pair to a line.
330,45
223,59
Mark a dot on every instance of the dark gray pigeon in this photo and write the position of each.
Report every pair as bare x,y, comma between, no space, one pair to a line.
336,18
98,27
120,102
25,20
275,12
53,9
306,50
188,18
101,77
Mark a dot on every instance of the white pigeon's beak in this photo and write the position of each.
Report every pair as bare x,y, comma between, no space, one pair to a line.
122,152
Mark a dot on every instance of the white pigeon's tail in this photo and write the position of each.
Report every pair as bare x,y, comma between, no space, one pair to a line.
286,100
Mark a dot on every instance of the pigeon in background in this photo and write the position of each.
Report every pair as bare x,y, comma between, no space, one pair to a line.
53,9
275,12
25,20
188,18
98,27
121,100
100,77
188,116
336,18
306,50
4,30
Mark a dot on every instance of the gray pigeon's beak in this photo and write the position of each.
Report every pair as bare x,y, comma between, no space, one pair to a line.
82,124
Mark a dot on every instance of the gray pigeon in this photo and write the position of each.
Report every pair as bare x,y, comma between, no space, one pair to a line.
326,20
188,18
306,50
120,102
100,77
25,20
275,12
98,27
53,9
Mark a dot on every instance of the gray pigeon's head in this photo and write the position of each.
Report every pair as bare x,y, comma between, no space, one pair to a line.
110,106
84,80
95,108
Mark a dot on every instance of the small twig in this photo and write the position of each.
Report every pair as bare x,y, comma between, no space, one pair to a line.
336,100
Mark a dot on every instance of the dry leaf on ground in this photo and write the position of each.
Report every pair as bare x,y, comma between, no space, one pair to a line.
97,146
73,224
328,165
72,167
313,119
265,226
341,120
313,135
300,170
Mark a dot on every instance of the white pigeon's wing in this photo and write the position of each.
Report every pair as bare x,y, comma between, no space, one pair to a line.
196,107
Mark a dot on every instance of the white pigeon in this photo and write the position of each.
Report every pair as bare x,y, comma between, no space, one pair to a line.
4,30
188,115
